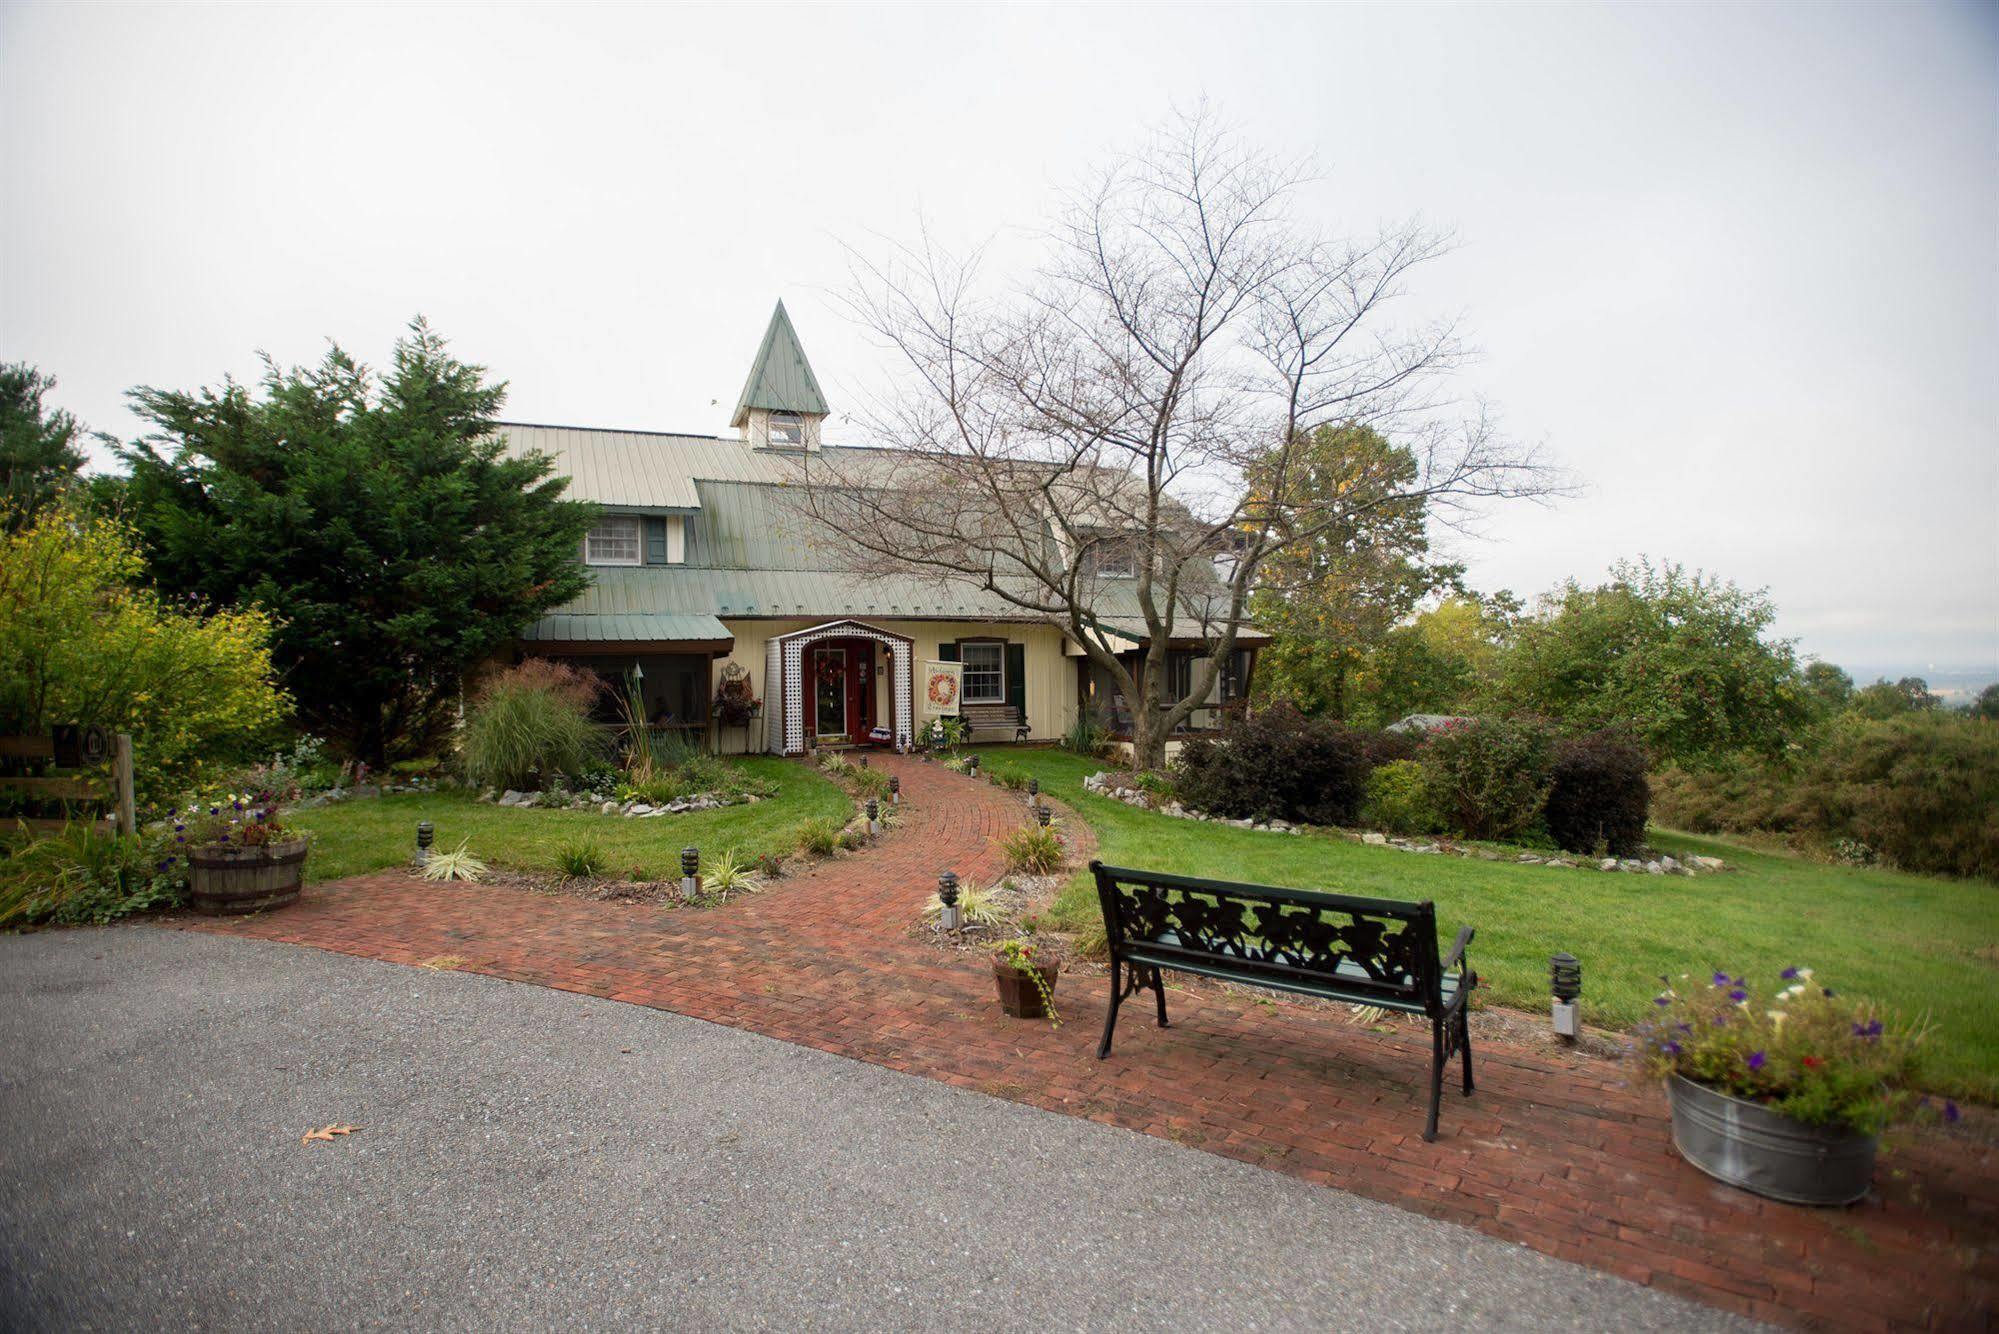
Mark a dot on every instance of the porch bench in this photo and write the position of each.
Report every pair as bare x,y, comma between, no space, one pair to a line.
994,718
1339,947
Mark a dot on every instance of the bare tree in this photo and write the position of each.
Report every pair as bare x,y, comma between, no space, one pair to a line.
1083,444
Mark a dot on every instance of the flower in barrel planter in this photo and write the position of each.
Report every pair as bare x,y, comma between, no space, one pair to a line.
1782,1090
1025,977
240,856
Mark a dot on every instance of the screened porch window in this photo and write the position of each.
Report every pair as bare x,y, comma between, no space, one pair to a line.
616,540
985,672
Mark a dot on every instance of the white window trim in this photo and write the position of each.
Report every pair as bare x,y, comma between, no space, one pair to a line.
638,531
965,676
791,419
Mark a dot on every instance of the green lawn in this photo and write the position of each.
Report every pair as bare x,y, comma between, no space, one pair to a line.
357,836
1928,947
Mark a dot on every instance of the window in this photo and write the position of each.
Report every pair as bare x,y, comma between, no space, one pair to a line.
786,429
985,672
614,541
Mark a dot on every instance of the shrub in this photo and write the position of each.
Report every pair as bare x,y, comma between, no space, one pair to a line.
82,642
870,782
1009,776
1742,794
1922,791
818,837
529,726
1400,799
1276,764
978,905
1597,795
1387,747
1032,850
836,765
1490,776
768,865
582,858
88,875
727,875
1087,736
458,864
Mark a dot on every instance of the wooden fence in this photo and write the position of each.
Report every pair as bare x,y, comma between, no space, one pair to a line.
86,752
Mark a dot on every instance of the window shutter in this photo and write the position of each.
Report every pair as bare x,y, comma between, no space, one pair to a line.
1016,676
948,652
655,540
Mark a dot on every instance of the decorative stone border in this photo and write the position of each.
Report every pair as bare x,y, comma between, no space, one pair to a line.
606,805
1657,863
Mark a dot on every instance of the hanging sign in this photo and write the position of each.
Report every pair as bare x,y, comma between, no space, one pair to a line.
941,681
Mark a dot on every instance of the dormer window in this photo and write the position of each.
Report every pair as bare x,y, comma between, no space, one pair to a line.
616,540
787,430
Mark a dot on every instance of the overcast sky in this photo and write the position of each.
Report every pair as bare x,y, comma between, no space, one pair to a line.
1737,266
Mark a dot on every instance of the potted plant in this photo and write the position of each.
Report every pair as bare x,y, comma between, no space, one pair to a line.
1025,978
240,856
1784,1094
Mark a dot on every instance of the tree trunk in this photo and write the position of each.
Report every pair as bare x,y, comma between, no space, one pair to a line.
1148,737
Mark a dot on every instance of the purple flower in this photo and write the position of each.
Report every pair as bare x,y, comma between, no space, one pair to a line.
1721,1021
1662,1000
1738,995
1721,979
1868,1030
1789,974
1755,1060
1950,1112
1671,1047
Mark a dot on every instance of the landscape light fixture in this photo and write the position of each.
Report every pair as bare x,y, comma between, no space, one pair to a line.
1033,788
690,873
1041,816
1565,980
895,789
864,759
874,817
426,834
947,894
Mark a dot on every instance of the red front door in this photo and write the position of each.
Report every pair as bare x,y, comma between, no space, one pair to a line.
843,688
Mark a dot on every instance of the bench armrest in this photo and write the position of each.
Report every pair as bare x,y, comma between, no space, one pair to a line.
1456,957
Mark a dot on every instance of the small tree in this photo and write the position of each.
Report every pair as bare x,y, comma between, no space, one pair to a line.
1678,658
39,458
1116,445
381,517
82,642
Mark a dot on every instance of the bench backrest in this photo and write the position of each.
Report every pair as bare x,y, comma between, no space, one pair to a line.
1371,948
993,714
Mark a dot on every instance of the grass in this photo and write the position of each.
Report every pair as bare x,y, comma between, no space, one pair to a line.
1927,947
359,836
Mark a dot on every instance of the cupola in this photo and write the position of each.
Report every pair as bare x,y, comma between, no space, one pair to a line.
781,406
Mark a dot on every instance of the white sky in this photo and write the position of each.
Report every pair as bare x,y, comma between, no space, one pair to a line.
1739,267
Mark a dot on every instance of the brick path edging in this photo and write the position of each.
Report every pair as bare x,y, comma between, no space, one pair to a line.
1559,1154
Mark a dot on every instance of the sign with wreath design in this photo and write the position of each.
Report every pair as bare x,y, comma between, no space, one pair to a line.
941,681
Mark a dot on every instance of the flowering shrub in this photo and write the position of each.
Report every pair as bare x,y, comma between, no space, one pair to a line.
233,820
1802,1049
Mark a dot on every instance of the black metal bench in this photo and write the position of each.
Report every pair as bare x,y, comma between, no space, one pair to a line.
994,718
1379,952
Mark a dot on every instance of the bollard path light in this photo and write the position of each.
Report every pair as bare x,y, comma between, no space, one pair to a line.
895,789
1041,816
947,894
864,759
426,834
1565,980
874,817
1034,787
690,872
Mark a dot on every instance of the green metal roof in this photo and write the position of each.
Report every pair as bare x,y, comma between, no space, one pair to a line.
571,628
781,378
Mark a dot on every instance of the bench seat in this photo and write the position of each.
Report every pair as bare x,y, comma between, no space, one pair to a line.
1340,947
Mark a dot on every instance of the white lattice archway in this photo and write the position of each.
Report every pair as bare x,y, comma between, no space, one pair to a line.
785,681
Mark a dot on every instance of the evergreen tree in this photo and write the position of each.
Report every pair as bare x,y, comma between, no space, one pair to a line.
378,519
39,457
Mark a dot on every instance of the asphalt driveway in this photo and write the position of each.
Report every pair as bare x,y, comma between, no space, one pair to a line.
530,1157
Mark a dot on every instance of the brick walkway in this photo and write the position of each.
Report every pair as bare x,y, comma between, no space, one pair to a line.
1558,1154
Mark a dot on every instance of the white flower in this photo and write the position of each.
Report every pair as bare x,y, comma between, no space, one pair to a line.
1797,990
1805,973
1776,1017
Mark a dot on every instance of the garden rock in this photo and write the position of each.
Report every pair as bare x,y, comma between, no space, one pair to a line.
1375,840
1610,864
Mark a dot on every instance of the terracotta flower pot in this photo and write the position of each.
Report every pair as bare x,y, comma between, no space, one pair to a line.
229,880
1018,995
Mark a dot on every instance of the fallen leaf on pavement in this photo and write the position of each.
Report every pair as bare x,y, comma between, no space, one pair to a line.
326,1133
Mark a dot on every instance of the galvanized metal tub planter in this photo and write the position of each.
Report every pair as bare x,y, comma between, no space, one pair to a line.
1018,995
224,881
1748,1145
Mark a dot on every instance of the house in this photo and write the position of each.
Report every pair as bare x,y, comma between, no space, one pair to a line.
705,574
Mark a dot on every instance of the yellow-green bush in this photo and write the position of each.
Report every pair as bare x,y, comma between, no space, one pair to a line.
82,642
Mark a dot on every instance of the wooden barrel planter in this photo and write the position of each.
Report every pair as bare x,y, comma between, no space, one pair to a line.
1018,995
225,881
